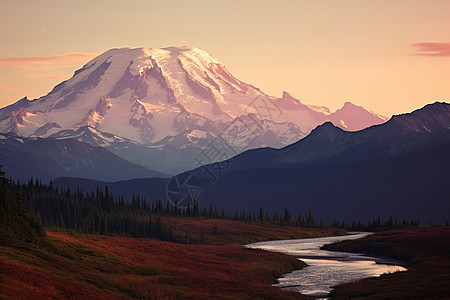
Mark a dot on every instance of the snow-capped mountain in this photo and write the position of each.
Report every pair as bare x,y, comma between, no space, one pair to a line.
173,104
350,117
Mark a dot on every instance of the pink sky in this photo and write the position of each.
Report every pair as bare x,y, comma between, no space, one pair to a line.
388,56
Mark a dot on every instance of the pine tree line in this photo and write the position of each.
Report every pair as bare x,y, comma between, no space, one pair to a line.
18,228
376,224
100,212
94,213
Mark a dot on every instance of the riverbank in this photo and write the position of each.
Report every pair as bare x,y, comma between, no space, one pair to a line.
73,265
325,268
426,249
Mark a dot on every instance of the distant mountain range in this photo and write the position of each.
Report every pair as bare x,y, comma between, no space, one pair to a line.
400,169
142,113
48,158
161,108
327,143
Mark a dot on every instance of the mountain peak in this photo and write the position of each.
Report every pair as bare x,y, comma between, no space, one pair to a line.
326,127
139,93
157,97
432,117
434,108
327,131
350,106
288,101
287,95
153,53
353,117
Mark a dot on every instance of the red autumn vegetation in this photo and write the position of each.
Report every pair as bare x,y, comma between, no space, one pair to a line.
230,232
73,265
427,249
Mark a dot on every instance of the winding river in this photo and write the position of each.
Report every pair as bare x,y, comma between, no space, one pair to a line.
326,268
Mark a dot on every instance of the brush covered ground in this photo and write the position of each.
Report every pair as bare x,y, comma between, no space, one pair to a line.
426,249
237,233
74,265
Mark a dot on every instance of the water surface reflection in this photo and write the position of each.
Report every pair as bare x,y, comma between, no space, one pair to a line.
326,268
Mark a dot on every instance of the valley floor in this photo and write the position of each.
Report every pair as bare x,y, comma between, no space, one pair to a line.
73,265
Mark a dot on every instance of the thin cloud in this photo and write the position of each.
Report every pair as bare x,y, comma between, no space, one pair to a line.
4,87
437,49
50,76
5,100
50,68
46,60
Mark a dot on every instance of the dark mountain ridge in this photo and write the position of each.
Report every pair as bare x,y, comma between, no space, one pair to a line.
330,144
48,158
397,169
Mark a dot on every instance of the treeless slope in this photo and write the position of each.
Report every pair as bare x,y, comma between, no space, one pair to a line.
90,266
230,232
72,265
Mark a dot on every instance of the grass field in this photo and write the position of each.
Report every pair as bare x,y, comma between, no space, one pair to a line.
73,265
229,232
